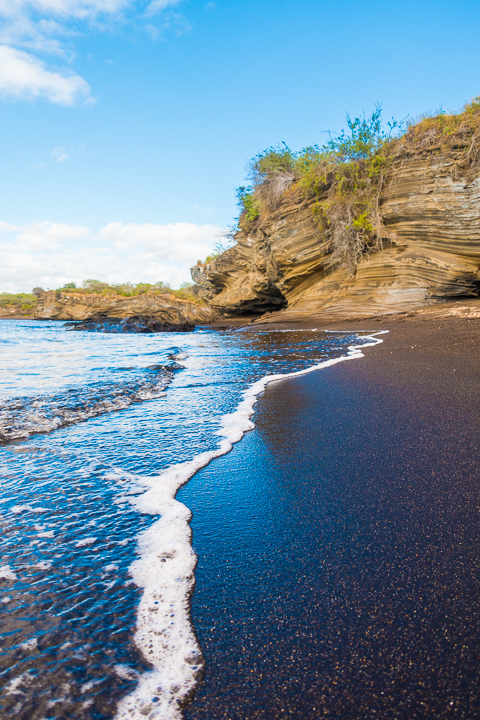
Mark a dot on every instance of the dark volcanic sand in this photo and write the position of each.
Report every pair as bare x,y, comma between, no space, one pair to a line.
339,543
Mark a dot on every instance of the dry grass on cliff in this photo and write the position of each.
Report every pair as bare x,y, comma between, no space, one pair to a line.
442,131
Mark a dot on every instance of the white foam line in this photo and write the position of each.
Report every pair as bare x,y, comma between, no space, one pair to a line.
165,569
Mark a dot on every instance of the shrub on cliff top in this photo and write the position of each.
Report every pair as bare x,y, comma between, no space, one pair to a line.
128,289
23,302
345,176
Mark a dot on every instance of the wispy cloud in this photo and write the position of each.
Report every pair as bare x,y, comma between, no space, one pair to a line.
157,6
50,254
50,27
65,8
59,154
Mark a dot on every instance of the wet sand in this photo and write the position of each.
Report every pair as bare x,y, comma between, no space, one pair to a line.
339,543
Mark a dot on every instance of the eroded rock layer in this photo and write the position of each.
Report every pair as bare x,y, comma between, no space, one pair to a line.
431,251
161,310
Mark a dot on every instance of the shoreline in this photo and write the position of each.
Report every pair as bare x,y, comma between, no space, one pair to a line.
463,308
424,368
390,444
170,537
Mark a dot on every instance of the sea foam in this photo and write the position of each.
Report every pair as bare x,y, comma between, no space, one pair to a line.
166,564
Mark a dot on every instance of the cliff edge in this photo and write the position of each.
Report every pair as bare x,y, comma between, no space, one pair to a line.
163,309
426,250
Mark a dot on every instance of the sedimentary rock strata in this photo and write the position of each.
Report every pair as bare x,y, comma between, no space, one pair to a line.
164,311
430,251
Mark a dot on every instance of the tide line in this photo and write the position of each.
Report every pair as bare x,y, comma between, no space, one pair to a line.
166,565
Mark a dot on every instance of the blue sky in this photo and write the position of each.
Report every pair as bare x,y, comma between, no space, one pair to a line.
126,126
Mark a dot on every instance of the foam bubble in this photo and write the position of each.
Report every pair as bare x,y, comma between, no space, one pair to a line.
44,565
6,573
165,568
125,672
86,541
18,509
13,687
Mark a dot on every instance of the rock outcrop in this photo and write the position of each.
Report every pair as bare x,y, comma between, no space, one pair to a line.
430,211
15,313
135,324
143,313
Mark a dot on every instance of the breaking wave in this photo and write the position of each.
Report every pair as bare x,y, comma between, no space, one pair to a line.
75,503
25,416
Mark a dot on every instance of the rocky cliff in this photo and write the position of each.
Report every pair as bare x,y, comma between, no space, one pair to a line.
15,313
372,226
429,250
162,309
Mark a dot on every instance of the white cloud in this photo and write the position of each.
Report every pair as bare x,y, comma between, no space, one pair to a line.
50,254
24,77
46,235
35,35
48,26
59,154
7,227
159,5
72,8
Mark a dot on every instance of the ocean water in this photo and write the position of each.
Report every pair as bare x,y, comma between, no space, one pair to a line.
97,433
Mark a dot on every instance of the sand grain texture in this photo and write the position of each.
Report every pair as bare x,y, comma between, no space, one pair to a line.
339,543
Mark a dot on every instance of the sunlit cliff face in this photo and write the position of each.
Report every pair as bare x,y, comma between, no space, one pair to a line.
431,251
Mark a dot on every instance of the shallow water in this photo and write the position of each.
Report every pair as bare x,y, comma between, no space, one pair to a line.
89,422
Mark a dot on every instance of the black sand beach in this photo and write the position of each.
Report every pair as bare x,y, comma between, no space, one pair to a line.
339,543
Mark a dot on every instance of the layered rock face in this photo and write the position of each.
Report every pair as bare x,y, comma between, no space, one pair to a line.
161,310
14,312
430,251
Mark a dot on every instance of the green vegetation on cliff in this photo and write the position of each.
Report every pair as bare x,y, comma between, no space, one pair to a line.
343,179
128,289
18,304
21,303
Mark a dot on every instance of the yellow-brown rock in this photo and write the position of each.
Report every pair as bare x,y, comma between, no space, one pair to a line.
431,251
166,309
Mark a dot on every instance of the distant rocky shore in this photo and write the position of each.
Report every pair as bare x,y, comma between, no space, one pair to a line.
138,313
135,324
